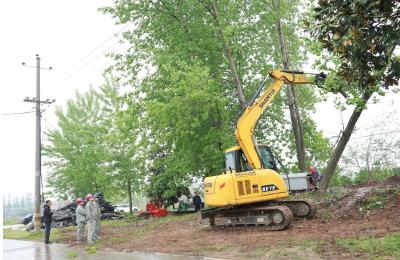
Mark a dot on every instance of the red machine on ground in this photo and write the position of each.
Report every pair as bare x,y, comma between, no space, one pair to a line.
153,211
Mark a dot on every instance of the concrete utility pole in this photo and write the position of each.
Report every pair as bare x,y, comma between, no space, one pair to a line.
38,166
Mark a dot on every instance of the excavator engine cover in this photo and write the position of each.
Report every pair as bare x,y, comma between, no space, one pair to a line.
244,188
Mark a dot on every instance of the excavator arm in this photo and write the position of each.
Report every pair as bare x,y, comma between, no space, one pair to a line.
247,121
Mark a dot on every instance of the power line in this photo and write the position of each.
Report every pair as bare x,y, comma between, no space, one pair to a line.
87,63
51,125
390,132
17,113
85,79
47,85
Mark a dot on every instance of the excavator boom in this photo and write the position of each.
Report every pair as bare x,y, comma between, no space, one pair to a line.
249,118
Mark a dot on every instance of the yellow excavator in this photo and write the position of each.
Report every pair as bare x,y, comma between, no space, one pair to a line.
250,192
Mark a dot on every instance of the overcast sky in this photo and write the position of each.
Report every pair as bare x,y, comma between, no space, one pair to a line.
72,37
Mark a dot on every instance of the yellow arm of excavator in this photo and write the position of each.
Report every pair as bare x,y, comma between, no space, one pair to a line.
248,120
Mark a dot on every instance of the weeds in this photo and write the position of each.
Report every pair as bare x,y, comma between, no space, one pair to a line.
289,253
23,235
258,252
388,245
116,223
315,245
91,249
378,199
72,254
10,221
119,239
321,196
56,235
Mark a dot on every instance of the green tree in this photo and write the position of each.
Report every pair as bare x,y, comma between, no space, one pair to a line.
185,132
360,38
303,140
124,160
76,155
96,146
198,58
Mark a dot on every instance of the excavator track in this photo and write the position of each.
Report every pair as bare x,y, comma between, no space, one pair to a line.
300,208
266,218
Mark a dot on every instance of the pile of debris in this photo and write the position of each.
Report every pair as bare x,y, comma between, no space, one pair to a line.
65,216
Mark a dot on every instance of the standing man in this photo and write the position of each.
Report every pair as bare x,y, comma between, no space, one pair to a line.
183,202
316,176
97,216
90,217
47,219
196,201
80,219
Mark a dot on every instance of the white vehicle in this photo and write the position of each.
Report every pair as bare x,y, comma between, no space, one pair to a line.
125,208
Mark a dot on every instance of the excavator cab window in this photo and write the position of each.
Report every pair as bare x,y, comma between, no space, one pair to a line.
230,161
236,161
244,165
267,158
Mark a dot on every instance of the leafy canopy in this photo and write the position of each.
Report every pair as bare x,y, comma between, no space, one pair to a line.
364,35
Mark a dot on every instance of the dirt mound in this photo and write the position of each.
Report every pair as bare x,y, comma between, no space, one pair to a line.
346,206
363,199
392,182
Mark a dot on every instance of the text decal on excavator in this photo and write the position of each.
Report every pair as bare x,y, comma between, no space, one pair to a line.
245,174
267,98
269,187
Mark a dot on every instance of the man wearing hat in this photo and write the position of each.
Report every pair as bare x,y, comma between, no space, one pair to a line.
80,219
316,176
91,212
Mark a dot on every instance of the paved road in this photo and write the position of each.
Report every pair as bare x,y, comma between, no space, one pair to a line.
27,250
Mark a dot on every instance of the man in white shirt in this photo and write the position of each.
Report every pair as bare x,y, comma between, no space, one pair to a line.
184,202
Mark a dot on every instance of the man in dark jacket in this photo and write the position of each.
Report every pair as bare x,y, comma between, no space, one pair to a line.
47,218
197,201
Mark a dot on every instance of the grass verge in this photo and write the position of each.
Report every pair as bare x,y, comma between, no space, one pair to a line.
91,249
55,236
10,221
378,199
72,254
388,245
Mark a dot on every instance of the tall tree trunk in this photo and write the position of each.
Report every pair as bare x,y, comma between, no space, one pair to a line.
130,196
344,139
228,55
291,96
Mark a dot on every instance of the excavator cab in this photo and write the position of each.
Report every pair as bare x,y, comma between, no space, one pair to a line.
235,159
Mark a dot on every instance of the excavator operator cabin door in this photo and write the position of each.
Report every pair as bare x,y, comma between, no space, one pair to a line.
246,181
267,158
